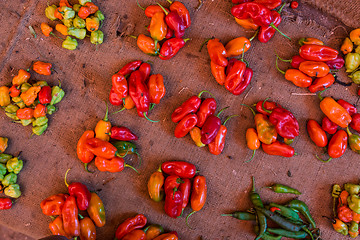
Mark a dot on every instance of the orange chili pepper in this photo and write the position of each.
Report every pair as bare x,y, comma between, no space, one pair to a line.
356,217
96,210
57,228
218,72
167,236
14,91
237,46
314,69
252,141
321,83
198,195
217,52
103,127
335,112
4,96
156,88
115,164
92,7
25,113
158,27
84,12
295,76
310,40
64,3
155,186
265,129
82,152
347,46
92,24
128,102
355,36
46,29
135,235
247,23
316,133
147,45
42,68
57,14
39,111
343,198
61,28
22,77
195,134
30,95
87,229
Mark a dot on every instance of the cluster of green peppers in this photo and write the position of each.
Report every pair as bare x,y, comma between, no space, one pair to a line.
10,166
287,217
351,48
80,20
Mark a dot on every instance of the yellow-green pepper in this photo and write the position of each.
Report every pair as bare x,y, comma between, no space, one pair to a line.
50,12
3,169
354,203
354,142
99,15
67,22
82,2
76,7
3,144
352,189
79,22
14,165
13,191
69,43
18,101
352,61
67,13
77,32
57,94
5,157
50,109
40,121
354,229
39,129
26,122
4,96
340,227
9,179
355,77
25,86
357,49
41,84
97,37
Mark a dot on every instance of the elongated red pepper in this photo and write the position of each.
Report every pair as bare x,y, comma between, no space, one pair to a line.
171,182
266,33
179,168
210,128
119,85
122,133
348,106
319,53
101,148
173,203
217,146
260,14
185,125
321,83
57,227
198,195
286,124
316,133
130,67
218,72
116,164
175,22
244,83
267,107
355,123
185,189
145,70
115,98
139,93
336,63
156,88
53,205
217,52
5,203
279,149
130,224
337,145
182,12
45,95
70,218
296,60
171,47
207,108
328,126
80,192
270,4
235,75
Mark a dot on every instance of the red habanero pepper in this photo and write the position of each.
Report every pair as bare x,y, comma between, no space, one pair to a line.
152,9
53,205
338,144
57,227
145,69
14,91
122,133
321,83
207,108
355,123
87,229
235,75
295,61
245,82
171,47
25,113
135,235
170,33
314,68
70,218
198,195
351,109
185,189
260,14
45,95
58,15
279,149
328,126
294,4
210,128
171,182
84,12
101,148
80,192
139,93
174,22
39,111
83,153
285,123
218,72
316,133
42,68
217,52
266,107
336,63
156,88
295,76
179,168
119,85
115,98
130,224
345,214
313,52
266,33
173,203
116,164
92,7
129,67
335,112
182,12
5,203
185,125
270,4
217,146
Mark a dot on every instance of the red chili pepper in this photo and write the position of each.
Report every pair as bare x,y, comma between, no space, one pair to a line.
266,33
198,195
296,60
139,93
185,125
207,108
217,146
152,9
145,70
321,83
116,164
122,133
57,227
170,33
5,203
83,153
314,68
45,95
130,224
245,82
294,4
185,189
130,67
171,182
53,205
179,168
70,217
14,91
336,63
355,123
268,105
271,4
279,149
313,52
115,98
286,124
156,88
348,106
217,52
135,235
235,75
182,12
171,47
260,14
25,113
39,111
338,144
316,133
274,209
80,192
173,203
329,126
119,85
175,22
345,214
101,148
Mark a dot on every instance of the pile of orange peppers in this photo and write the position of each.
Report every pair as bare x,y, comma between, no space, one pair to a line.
28,102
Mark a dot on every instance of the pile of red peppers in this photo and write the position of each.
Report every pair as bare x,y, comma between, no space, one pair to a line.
134,228
64,212
167,28
134,86
197,117
314,67
276,129
172,181
109,156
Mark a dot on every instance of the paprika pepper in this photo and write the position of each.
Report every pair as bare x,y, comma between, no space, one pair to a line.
217,146
30,95
185,125
316,133
335,112
70,218
314,69
57,227
279,149
285,123
53,205
42,68
147,45
252,141
180,168
135,235
171,47
337,145
156,88
130,224
96,210
155,186
296,76
115,164
87,229
313,52
321,83
101,148
198,195
217,52
83,153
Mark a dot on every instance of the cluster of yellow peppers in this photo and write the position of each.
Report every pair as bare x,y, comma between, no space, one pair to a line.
351,50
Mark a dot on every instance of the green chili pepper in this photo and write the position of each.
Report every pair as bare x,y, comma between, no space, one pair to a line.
50,12
41,84
3,169
57,95
354,203
68,22
288,234
97,37
279,188
76,7
82,2
354,142
77,32
9,179
355,77
79,22
26,122
50,109
13,191
39,129
124,148
100,15
256,200
14,165
40,121
303,209
69,43
67,13
25,86
287,212
242,216
266,236
354,229
352,61
288,141
5,157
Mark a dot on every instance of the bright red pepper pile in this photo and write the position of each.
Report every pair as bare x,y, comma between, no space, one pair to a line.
134,228
134,86
173,179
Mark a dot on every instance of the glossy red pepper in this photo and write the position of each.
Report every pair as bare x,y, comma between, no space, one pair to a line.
245,82
101,148
87,229
82,152
171,47
218,72
321,83
314,68
116,164
345,214
266,33
316,133
217,52
268,105
337,145
182,11
119,85
279,149
169,34
156,88
45,95
152,9
198,195
336,63
57,227
319,53
53,205
185,125
39,111
175,22
328,126
210,129
130,224
185,189
145,69
129,67
115,98
271,4
296,60
25,113
348,106
70,218
14,91
235,75
135,235
355,123
260,14
179,168
171,182
207,108
122,133
285,123
5,203
139,93
217,146
173,203
80,192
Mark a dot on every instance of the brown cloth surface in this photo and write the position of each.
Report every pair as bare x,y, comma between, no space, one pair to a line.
85,75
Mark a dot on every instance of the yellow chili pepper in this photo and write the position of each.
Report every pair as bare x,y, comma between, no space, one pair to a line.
247,23
103,127
237,46
195,134
92,24
158,27
355,36
61,28
22,77
347,46
3,144
4,96
30,95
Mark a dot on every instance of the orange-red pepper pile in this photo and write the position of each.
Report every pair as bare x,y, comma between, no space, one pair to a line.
312,68
109,156
197,117
276,128
172,181
28,102
64,211
134,86
134,228
164,25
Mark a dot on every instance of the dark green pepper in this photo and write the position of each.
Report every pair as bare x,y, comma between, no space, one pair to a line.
97,37
13,191
242,216
57,94
14,165
50,109
39,129
9,179
303,209
40,121
256,200
70,43
279,188
5,157
288,234
287,212
50,12
79,22
266,235
77,32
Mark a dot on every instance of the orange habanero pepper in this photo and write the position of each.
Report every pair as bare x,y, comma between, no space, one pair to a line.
347,46
84,12
356,217
116,164
46,29
237,46
14,91
198,195
217,52
321,83
128,102
92,24
295,76
42,68
57,228
135,235
57,13
343,198
310,40
61,28
218,72
247,23
87,229
103,127
30,95
156,88
39,111
158,27
22,77
82,152
252,141
25,113
155,186
355,36
316,133
92,7
335,112
64,3
147,45
314,69
4,96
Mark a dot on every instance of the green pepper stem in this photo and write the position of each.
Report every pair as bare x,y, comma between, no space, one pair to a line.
118,111
137,2
253,155
277,66
140,160
153,121
319,94
274,27
166,12
227,215
106,118
199,95
253,37
129,166
227,119
221,110
169,1
81,216
263,104
56,36
348,131
132,36
308,232
187,219
152,105
186,39
67,185
322,159
283,60
203,44
122,156
281,8
253,184
32,31
86,168
252,110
